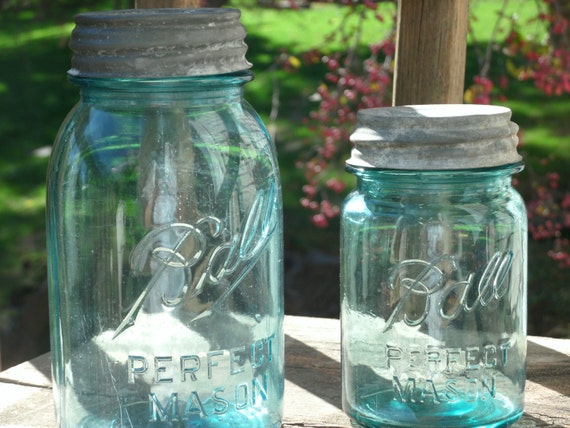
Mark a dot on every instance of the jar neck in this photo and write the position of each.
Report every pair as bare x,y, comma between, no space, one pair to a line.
170,91
432,182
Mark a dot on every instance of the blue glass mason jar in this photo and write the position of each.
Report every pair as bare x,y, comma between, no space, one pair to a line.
164,220
433,270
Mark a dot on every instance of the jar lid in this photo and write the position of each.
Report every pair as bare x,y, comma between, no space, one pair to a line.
151,43
434,137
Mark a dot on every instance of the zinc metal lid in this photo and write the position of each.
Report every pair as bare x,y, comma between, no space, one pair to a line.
434,137
152,43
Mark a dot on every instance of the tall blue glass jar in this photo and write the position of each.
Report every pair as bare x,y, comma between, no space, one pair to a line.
164,220
433,270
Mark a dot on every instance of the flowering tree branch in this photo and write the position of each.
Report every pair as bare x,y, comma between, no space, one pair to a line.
353,82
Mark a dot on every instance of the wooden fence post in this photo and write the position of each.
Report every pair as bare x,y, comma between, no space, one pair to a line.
430,52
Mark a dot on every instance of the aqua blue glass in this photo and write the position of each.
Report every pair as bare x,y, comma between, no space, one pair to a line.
433,269
164,234
433,278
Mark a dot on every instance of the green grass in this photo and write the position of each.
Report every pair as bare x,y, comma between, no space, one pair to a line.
304,29
486,12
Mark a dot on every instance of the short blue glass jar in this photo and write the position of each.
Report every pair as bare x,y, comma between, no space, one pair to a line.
433,270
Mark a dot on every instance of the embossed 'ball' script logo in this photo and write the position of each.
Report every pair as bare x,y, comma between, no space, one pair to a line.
430,287
187,261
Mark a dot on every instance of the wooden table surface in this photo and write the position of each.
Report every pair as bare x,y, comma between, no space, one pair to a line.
312,388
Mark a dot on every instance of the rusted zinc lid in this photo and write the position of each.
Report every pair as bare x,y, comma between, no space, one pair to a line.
434,137
151,43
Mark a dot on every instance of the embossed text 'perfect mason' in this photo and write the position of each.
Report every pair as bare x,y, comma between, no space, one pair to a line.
428,283
191,367
189,398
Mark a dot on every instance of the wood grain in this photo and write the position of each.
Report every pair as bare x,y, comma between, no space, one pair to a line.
431,45
312,386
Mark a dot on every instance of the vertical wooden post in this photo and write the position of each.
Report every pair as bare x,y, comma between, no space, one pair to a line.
430,51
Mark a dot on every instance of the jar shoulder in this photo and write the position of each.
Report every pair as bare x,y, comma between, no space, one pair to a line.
363,204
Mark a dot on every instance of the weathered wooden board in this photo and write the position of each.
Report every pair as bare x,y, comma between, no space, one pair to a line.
312,388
